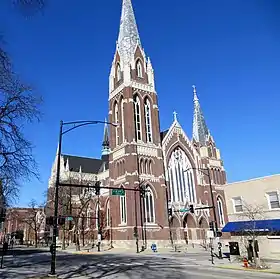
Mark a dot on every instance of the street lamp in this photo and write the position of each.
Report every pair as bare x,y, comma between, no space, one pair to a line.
75,125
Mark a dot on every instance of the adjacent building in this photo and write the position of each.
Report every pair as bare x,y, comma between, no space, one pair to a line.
27,223
253,208
176,170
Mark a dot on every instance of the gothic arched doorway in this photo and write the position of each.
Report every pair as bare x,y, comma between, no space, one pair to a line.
175,229
188,225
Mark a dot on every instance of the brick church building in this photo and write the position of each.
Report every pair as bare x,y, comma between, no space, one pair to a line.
173,167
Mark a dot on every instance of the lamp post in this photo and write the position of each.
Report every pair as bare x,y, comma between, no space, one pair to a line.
75,125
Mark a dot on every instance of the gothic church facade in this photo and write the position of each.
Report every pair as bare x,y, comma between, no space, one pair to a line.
173,167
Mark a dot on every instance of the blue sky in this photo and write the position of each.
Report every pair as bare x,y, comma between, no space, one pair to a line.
229,49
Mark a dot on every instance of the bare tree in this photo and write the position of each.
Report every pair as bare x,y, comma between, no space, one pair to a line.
250,234
80,206
18,105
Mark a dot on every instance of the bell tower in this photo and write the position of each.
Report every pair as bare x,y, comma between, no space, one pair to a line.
136,156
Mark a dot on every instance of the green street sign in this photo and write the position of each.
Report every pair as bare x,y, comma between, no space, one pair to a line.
69,218
184,210
118,192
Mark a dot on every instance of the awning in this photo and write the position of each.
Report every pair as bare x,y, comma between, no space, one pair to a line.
271,225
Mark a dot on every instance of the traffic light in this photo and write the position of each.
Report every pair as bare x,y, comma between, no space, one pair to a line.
2,215
49,221
218,234
97,188
61,221
135,232
170,211
191,208
211,225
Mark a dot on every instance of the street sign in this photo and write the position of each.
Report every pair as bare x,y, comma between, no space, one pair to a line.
118,192
69,218
184,210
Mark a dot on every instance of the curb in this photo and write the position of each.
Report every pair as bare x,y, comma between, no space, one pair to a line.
248,269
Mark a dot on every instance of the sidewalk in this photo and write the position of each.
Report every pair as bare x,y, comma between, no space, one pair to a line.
273,268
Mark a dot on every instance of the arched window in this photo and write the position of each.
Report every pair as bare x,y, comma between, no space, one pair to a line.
88,217
108,216
137,118
118,169
148,121
210,151
119,73
117,121
146,166
221,212
150,167
181,179
123,209
122,112
149,206
139,69
141,166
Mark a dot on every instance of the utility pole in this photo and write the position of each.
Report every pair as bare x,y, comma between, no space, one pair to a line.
53,262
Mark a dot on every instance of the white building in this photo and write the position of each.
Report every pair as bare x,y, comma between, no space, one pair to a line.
253,208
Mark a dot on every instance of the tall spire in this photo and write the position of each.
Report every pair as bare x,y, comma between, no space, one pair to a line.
128,34
200,130
105,143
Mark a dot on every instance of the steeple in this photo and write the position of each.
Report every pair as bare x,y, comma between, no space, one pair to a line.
128,34
200,130
105,143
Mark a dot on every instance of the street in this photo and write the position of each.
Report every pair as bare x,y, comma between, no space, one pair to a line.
32,263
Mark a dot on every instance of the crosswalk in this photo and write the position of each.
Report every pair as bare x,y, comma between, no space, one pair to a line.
118,264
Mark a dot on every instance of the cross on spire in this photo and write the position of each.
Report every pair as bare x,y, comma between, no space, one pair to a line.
175,115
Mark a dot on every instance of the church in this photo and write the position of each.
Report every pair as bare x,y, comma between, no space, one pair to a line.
177,171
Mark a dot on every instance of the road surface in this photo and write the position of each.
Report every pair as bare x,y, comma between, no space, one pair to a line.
28,263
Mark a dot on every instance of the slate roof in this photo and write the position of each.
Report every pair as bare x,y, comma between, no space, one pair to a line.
88,165
163,134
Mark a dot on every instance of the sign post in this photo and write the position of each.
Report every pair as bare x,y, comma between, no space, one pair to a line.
184,210
118,192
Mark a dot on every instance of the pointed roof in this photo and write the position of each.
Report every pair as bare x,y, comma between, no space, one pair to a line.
128,33
105,143
200,130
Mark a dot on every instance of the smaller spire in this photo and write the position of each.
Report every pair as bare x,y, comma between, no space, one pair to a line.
105,143
175,115
200,129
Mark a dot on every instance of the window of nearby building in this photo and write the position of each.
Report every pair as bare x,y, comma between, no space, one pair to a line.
181,177
148,121
139,69
137,118
149,206
237,204
273,199
123,209
221,211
